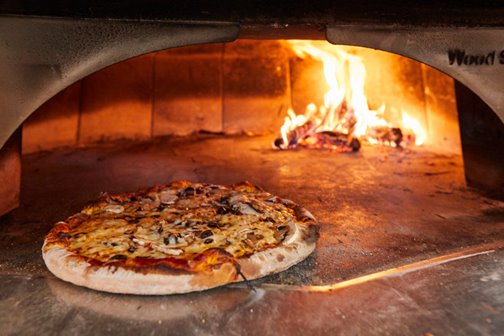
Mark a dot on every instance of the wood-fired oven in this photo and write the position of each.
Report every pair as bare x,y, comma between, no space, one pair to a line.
115,97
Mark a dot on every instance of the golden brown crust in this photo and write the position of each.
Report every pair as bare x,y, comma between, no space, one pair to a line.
209,268
125,281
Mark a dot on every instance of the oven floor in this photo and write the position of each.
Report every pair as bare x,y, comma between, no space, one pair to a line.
405,247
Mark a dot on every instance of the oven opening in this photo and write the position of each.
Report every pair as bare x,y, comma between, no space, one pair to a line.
304,93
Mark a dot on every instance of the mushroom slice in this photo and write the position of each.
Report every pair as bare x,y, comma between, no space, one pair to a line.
114,208
248,209
168,196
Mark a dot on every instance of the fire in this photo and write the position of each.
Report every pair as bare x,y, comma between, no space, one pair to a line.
413,125
345,118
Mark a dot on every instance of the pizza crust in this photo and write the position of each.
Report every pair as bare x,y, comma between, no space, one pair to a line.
298,245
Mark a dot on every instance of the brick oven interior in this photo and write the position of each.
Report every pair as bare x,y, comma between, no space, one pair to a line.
240,87
395,222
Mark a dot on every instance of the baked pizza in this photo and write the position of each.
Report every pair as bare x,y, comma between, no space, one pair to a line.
179,238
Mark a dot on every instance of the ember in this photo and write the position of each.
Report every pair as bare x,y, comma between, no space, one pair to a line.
345,119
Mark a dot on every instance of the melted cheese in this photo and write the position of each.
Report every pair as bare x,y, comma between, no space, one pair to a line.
181,221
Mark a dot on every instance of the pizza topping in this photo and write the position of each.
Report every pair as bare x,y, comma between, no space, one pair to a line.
168,196
247,209
189,191
175,240
114,208
206,233
119,257
176,226
222,210
213,225
169,250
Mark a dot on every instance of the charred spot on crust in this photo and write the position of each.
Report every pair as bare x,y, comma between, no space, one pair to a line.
280,257
62,234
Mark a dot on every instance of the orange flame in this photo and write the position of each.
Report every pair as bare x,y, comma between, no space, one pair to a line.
345,108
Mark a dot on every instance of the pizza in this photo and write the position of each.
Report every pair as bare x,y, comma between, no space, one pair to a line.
179,238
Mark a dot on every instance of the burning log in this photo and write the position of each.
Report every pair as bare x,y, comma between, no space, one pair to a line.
299,133
305,136
331,139
385,134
